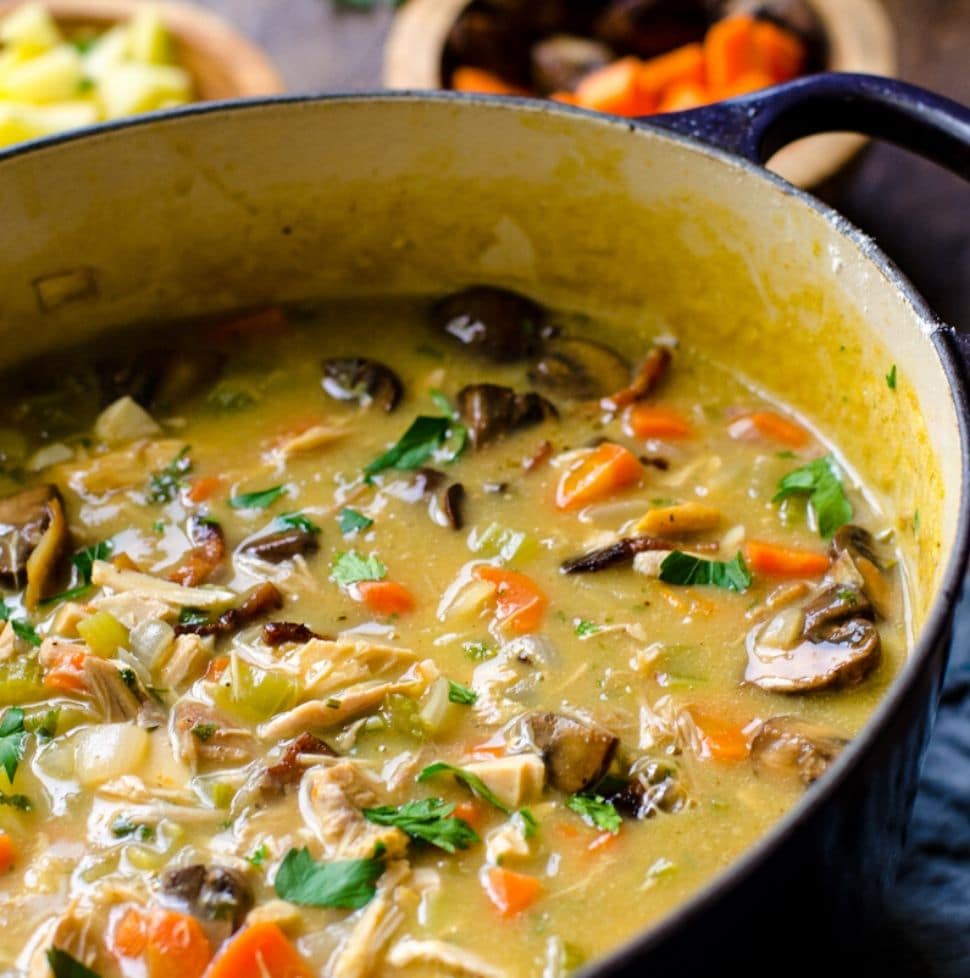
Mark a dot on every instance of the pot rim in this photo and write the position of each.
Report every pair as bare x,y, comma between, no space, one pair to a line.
938,620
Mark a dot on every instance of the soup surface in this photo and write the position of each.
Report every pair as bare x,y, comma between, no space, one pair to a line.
382,639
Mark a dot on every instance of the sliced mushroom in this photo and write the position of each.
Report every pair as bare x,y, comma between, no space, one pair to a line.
288,771
621,552
284,632
579,369
206,556
32,521
211,893
490,411
788,745
653,787
159,380
420,485
645,380
855,545
499,324
847,654
445,507
282,545
261,600
831,605
362,380
560,62
647,28
576,754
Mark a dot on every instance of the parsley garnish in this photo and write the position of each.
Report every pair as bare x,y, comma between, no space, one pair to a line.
83,563
62,965
193,616
12,737
298,521
471,781
584,628
21,802
891,378
348,884
259,499
479,651
258,856
122,827
350,567
164,484
204,731
681,568
428,820
461,694
596,811
25,631
820,480
413,448
530,824
352,521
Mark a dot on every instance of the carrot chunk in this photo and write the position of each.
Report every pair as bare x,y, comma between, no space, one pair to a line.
261,950
724,740
66,670
615,88
653,421
8,853
607,469
177,946
779,52
520,604
130,937
768,424
203,488
750,81
511,893
775,560
684,96
684,65
385,597
469,79
729,51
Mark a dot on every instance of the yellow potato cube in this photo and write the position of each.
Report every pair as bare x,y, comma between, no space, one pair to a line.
54,76
129,88
148,39
30,29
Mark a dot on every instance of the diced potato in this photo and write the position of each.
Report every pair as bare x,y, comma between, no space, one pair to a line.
128,89
13,128
19,122
514,780
148,39
124,420
54,76
30,29
107,52
108,751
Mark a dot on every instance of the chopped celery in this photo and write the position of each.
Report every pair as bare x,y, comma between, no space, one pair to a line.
220,793
20,680
103,634
499,541
256,693
402,714
438,711
145,858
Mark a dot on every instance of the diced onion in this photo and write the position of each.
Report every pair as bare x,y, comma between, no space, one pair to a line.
150,640
108,751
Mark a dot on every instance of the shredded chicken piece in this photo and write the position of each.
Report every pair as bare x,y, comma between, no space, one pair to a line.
331,799
340,707
114,698
119,469
325,666
506,842
454,960
664,725
76,931
132,609
107,575
53,650
187,661
358,954
201,734
319,436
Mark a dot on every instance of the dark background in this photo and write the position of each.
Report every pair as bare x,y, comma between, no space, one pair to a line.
920,216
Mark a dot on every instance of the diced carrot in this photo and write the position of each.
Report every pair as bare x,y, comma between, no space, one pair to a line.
490,749
511,893
177,946
654,421
130,936
768,424
251,325
469,79
567,98
750,81
8,853
216,668
520,604
203,488
725,741
470,812
615,88
66,669
780,53
778,561
261,950
684,65
729,51
609,468
385,597
684,96
124,562
604,840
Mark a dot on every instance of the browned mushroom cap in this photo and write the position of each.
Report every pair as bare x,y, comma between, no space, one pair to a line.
490,411
279,546
579,369
500,325
283,632
259,601
847,654
364,381
787,745
206,556
213,893
621,552
560,62
655,787
854,544
445,506
833,604
33,538
650,27
576,754
288,771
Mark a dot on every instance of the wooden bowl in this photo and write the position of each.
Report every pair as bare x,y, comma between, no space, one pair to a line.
860,38
222,63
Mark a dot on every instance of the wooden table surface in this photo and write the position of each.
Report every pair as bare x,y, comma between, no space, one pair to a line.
919,214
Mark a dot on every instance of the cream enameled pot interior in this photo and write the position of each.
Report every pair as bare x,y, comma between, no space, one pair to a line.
231,208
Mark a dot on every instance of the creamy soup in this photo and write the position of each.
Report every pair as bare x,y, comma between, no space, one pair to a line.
464,638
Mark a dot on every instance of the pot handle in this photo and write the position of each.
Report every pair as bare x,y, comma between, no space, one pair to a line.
758,125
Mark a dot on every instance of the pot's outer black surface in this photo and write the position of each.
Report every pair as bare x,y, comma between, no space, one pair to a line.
832,857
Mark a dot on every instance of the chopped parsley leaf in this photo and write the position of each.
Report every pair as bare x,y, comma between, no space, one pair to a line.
260,499
681,568
462,695
478,651
891,378
349,567
820,480
20,802
164,484
596,811
258,856
62,965
298,521
12,738
429,820
414,447
204,731
122,827
584,628
471,781
348,884
25,631
353,521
